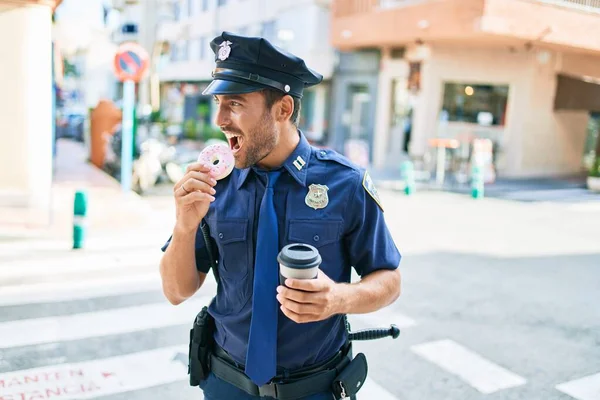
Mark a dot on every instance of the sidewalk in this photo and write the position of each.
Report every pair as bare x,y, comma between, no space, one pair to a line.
110,211
570,189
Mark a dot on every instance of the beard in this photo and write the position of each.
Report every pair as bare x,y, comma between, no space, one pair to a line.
259,141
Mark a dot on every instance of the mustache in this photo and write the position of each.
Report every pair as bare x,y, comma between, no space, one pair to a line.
232,131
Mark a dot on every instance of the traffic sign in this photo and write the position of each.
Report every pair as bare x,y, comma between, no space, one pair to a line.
131,62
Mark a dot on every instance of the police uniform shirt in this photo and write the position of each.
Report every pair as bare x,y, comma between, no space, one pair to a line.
347,227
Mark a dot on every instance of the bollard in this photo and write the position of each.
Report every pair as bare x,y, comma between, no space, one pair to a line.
408,174
477,184
79,216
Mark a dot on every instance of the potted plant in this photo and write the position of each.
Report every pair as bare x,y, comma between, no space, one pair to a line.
593,179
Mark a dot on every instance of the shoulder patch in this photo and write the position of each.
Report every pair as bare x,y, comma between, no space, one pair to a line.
371,189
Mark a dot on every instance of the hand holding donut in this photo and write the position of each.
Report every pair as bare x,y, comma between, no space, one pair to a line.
193,195
194,192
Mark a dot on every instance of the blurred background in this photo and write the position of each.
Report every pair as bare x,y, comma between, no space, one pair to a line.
478,120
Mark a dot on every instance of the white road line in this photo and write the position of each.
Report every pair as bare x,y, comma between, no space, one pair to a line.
52,292
76,264
90,288
120,374
383,319
91,379
26,246
372,390
100,323
472,368
586,388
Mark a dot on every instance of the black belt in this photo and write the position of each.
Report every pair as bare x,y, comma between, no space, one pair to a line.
301,383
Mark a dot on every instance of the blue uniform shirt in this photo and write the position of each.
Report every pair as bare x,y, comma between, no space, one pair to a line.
349,231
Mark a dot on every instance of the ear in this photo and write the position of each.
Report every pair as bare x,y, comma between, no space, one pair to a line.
285,108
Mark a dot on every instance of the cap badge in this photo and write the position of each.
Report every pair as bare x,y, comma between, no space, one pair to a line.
287,88
317,196
224,50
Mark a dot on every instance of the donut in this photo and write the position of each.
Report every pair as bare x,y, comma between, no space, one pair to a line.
220,158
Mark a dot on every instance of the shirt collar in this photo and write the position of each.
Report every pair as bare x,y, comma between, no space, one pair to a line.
296,164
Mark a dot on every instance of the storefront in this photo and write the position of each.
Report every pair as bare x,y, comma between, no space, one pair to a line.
471,93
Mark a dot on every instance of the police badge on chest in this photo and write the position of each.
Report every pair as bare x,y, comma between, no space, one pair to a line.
317,196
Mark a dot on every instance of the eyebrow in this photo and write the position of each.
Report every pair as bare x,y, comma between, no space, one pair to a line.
231,97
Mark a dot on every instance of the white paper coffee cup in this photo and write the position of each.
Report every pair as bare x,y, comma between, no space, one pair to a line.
298,261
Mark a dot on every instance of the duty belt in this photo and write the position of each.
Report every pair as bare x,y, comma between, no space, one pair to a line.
304,382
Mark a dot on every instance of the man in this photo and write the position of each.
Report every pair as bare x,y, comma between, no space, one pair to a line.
282,191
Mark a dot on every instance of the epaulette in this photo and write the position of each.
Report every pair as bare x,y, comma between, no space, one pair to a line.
332,155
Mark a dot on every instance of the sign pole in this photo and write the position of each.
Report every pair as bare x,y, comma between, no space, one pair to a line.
127,135
131,64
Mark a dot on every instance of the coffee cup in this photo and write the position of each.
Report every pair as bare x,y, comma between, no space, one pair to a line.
298,261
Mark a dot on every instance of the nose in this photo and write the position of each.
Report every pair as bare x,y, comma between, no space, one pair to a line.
221,116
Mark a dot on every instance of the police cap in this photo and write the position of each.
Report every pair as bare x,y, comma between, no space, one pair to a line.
248,64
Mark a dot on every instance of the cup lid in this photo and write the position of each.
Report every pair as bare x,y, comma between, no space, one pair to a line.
299,255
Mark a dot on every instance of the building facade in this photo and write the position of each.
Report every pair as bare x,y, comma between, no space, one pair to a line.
522,73
299,26
27,82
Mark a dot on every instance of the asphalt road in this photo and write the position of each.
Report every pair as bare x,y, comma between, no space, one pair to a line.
500,302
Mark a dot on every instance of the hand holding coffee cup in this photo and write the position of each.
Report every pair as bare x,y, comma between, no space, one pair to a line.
309,294
298,261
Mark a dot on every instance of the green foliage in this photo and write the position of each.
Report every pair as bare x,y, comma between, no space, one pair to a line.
211,132
69,69
595,170
190,129
156,116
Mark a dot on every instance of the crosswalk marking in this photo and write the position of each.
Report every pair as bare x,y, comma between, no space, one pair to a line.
383,319
52,292
100,323
120,374
113,243
76,264
472,368
586,388
91,379
372,390
124,373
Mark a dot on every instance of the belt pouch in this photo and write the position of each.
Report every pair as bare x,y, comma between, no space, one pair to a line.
200,348
351,378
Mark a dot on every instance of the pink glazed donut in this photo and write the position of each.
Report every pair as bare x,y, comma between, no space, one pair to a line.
220,158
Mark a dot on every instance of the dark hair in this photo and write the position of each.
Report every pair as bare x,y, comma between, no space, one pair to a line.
272,96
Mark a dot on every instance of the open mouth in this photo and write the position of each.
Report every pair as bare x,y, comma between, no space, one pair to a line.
235,143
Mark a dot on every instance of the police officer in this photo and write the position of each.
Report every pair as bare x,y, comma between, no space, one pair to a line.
282,191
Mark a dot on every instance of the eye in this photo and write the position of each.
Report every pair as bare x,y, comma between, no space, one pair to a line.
215,100
235,103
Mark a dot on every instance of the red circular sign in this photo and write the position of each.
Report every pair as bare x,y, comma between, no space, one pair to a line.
131,62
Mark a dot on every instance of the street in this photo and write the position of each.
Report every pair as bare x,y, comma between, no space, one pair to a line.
499,302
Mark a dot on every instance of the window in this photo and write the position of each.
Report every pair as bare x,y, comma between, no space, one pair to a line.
177,11
184,50
221,3
474,103
203,47
179,51
307,111
129,28
174,52
190,7
204,5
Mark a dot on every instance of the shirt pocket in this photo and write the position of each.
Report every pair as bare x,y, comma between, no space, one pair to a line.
235,286
231,237
317,233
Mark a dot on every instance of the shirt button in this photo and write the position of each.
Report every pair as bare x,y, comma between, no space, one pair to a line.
316,238
221,235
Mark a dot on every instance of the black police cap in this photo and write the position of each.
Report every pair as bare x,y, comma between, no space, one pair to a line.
248,64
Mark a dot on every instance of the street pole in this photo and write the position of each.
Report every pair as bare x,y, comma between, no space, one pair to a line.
127,135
